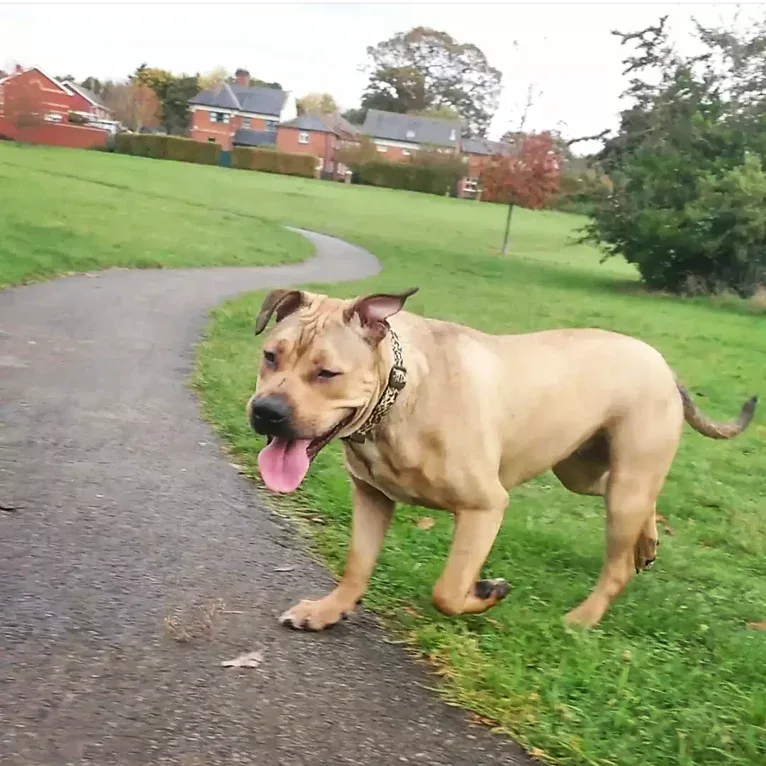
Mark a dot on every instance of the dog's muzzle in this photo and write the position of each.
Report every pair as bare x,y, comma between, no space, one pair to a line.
272,416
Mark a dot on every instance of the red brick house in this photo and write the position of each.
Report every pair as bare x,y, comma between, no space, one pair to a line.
398,136
237,114
34,102
477,151
321,135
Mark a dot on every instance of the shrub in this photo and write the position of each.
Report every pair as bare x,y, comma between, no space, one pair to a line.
167,148
581,191
426,171
270,161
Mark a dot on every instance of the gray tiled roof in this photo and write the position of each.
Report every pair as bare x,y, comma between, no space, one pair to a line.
88,94
255,100
308,122
221,96
260,100
484,146
411,129
245,137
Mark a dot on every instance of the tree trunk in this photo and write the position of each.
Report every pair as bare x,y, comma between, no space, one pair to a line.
507,228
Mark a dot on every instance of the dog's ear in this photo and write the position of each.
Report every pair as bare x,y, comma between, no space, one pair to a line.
283,302
373,311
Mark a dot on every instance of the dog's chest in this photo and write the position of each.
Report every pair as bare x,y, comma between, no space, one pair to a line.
397,477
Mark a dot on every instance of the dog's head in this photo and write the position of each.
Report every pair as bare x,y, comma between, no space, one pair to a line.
319,374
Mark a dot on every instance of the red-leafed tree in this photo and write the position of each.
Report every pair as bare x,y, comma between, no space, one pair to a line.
527,175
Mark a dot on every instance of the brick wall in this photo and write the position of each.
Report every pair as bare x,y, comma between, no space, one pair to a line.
73,136
320,144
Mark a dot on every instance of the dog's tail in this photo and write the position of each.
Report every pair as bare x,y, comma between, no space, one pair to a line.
701,423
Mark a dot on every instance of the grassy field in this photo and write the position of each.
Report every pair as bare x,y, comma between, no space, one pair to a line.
53,223
673,675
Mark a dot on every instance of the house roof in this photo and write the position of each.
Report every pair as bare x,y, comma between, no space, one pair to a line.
246,137
484,146
88,95
42,72
308,122
244,99
411,129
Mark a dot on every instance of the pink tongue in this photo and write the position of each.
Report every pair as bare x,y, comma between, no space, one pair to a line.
284,463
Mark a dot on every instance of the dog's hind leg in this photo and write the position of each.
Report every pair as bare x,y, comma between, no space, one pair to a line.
458,590
639,468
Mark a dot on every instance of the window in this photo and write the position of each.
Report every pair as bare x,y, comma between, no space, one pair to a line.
271,126
470,185
219,117
245,122
410,134
382,149
211,140
406,152
303,137
453,135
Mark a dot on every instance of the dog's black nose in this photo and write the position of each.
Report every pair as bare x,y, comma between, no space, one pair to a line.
270,416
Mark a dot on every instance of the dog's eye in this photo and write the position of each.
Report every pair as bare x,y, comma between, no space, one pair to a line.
270,358
327,374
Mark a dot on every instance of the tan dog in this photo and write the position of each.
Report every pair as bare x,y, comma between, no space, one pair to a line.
443,416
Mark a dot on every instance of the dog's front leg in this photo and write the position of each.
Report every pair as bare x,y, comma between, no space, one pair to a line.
372,513
458,590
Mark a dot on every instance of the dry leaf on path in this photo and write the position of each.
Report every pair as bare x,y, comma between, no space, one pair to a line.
757,625
248,660
284,569
661,519
669,530
426,522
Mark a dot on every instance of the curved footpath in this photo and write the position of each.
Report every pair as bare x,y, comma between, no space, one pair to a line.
126,511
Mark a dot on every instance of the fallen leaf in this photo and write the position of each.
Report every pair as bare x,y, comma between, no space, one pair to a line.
318,520
535,752
411,611
284,569
757,625
669,530
426,522
248,660
661,519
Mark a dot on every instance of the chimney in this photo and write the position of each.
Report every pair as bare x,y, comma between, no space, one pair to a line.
243,77
19,69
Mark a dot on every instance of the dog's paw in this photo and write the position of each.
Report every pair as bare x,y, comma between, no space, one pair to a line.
314,615
496,590
645,553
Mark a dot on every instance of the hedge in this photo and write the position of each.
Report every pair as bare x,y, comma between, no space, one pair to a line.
403,175
167,148
271,161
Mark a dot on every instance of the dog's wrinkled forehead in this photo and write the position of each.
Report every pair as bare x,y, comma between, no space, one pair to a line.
320,331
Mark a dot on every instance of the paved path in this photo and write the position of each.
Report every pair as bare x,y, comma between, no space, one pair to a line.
127,512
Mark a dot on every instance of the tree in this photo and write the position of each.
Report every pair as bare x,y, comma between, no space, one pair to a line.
135,105
528,175
426,69
355,116
174,93
443,112
687,164
214,78
317,103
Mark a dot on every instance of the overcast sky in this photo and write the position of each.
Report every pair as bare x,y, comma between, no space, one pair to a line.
564,48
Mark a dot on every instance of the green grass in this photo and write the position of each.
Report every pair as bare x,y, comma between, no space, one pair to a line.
51,223
672,676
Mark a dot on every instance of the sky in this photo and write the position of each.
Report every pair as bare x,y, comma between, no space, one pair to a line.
563,50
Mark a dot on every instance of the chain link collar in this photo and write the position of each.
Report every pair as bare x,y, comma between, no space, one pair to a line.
397,379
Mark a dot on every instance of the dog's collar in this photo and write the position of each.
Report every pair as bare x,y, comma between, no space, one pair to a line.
397,380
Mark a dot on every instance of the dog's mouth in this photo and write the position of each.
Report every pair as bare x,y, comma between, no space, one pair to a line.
284,463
